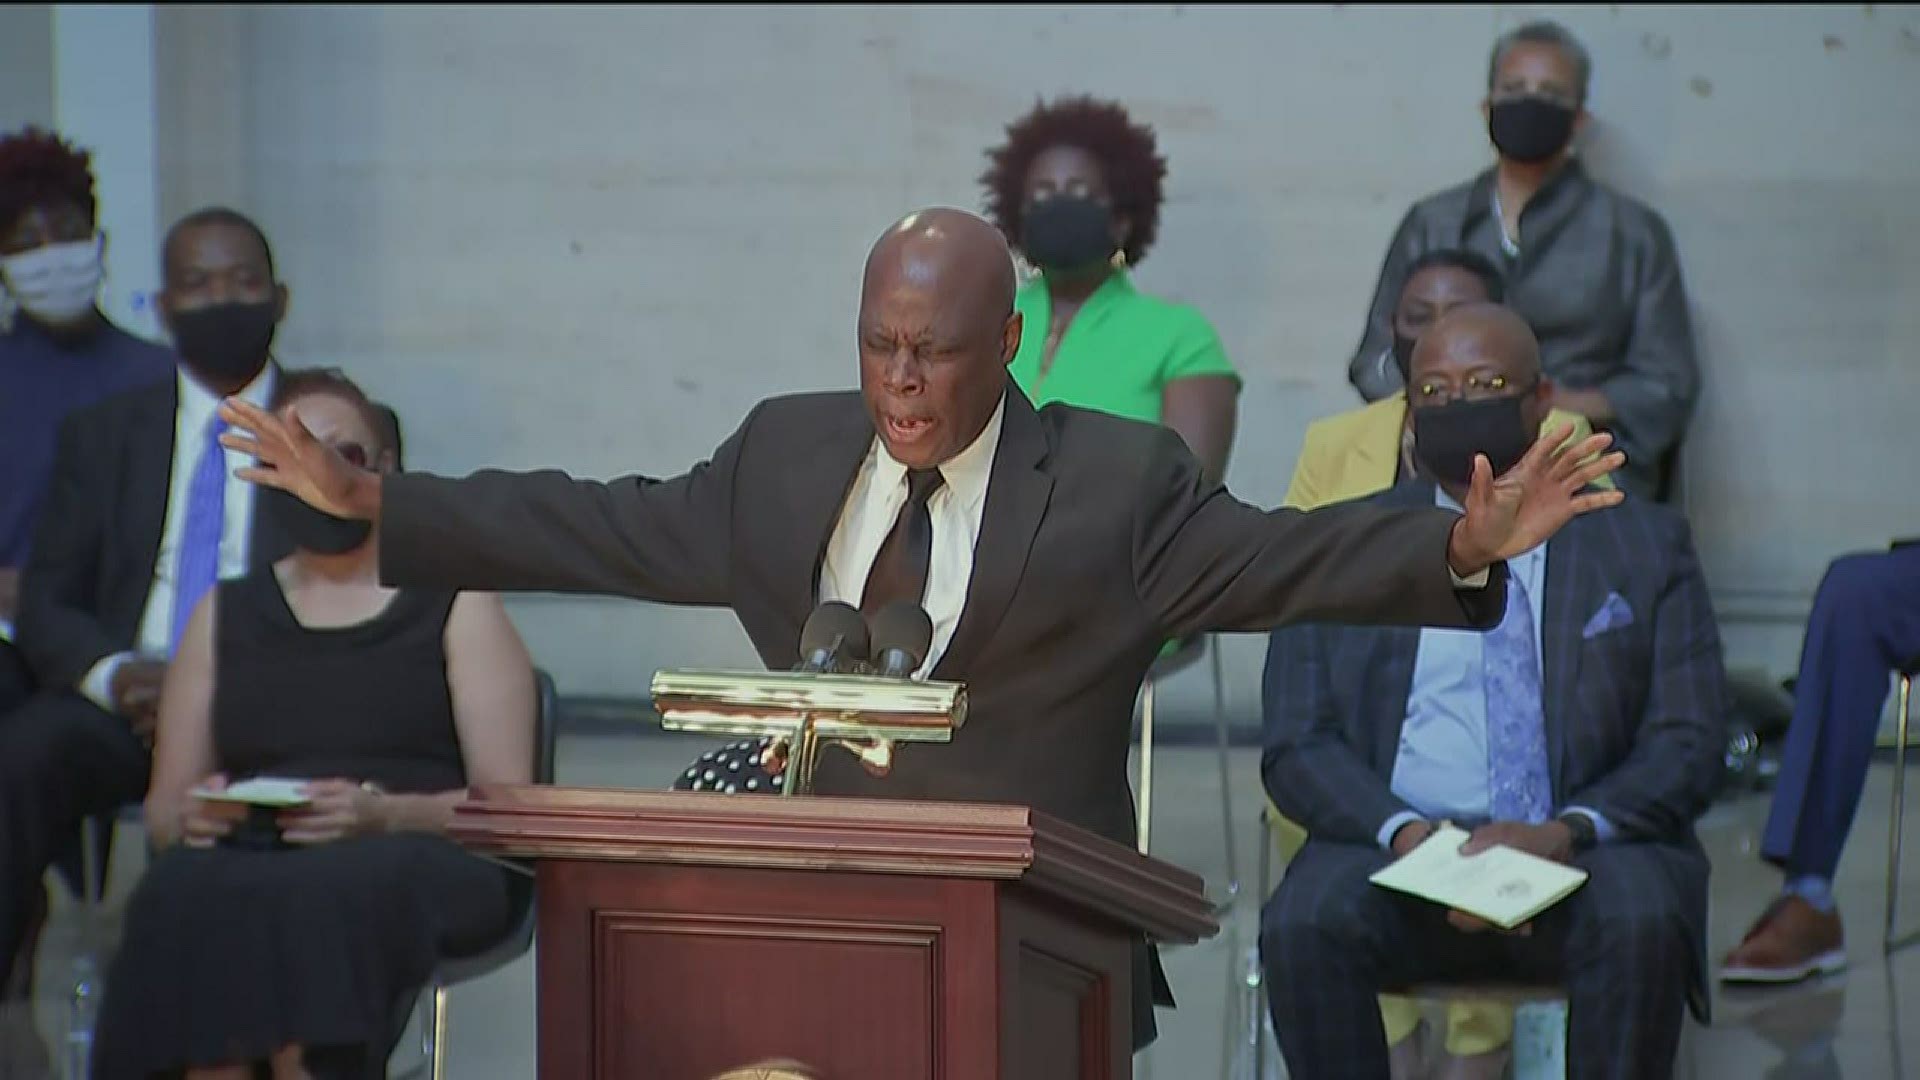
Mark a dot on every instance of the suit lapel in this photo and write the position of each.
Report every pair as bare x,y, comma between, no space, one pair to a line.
1388,677
821,475
147,471
1017,494
1572,590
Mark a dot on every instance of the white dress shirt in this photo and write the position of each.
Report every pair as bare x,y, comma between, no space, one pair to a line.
872,506
190,420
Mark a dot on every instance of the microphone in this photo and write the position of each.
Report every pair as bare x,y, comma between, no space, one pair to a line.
902,634
834,639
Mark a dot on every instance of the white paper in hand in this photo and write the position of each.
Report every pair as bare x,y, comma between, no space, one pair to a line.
259,791
1502,885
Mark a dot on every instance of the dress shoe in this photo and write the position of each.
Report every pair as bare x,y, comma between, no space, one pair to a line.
1791,940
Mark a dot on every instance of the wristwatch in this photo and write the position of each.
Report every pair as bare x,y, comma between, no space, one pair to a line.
1581,826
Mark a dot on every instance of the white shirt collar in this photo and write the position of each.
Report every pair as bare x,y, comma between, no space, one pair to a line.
965,474
197,403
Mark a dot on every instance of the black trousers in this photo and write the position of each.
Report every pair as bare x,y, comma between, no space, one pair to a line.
61,759
1624,945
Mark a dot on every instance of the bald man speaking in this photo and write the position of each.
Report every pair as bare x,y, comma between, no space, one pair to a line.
1054,550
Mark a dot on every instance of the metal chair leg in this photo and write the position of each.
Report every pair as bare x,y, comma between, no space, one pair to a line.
1146,763
1889,941
1256,977
83,996
437,1058
1226,774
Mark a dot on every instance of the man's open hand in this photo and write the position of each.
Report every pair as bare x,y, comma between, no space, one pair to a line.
291,459
1518,510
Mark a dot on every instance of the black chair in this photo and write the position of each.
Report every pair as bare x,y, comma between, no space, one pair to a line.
454,971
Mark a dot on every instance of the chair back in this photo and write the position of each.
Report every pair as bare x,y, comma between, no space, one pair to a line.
546,731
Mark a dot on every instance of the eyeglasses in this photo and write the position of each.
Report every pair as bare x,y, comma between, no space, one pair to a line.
1475,388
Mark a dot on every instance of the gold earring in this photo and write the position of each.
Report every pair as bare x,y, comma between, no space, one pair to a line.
1118,260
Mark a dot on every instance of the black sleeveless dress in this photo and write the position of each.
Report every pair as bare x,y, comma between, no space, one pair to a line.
228,955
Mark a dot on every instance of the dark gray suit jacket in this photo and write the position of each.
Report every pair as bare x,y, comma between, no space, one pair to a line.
1634,694
91,567
1098,543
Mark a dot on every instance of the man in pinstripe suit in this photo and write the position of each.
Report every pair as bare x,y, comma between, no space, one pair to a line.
1587,727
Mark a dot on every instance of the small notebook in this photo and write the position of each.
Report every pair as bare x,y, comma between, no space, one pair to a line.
1504,886
259,791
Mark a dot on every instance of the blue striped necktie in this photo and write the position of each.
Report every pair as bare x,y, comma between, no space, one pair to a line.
1519,785
197,562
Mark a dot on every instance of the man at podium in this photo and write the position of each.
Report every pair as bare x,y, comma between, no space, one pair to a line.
1054,550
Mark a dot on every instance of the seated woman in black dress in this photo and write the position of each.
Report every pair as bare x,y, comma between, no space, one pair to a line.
243,954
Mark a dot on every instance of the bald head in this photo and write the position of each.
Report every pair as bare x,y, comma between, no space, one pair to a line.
1477,337
937,329
959,253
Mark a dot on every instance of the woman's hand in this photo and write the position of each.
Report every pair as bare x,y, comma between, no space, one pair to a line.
198,826
339,809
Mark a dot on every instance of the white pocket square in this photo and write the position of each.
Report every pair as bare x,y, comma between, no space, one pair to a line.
1614,613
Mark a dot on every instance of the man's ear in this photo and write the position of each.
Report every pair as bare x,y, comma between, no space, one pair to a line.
1010,337
281,295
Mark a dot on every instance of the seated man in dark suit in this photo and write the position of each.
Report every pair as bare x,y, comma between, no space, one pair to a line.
1865,623
143,515
1586,727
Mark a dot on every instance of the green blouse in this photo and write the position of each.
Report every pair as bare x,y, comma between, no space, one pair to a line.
1119,352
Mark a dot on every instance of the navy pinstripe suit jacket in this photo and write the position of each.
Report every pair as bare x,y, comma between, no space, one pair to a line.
1635,704
1635,701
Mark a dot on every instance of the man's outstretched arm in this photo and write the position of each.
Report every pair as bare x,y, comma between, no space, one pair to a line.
662,540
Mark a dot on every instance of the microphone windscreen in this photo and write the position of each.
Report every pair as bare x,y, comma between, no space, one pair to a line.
832,620
905,626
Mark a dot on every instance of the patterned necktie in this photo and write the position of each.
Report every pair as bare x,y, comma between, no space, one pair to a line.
1519,785
197,563
900,569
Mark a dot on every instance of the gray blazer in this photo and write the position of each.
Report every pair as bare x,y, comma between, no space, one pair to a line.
1599,282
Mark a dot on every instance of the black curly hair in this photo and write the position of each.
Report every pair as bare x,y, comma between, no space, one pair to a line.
1127,153
38,168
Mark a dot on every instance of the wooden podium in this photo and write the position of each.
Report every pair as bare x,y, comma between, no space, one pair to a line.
682,934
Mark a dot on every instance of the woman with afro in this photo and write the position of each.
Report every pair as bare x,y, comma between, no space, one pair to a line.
1077,189
57,352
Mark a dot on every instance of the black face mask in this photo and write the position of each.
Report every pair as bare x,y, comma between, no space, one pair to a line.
1066,232
1446,437
1403,358
312,530
226,342
1529,129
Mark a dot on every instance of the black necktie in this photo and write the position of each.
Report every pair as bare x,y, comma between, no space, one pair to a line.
900,569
